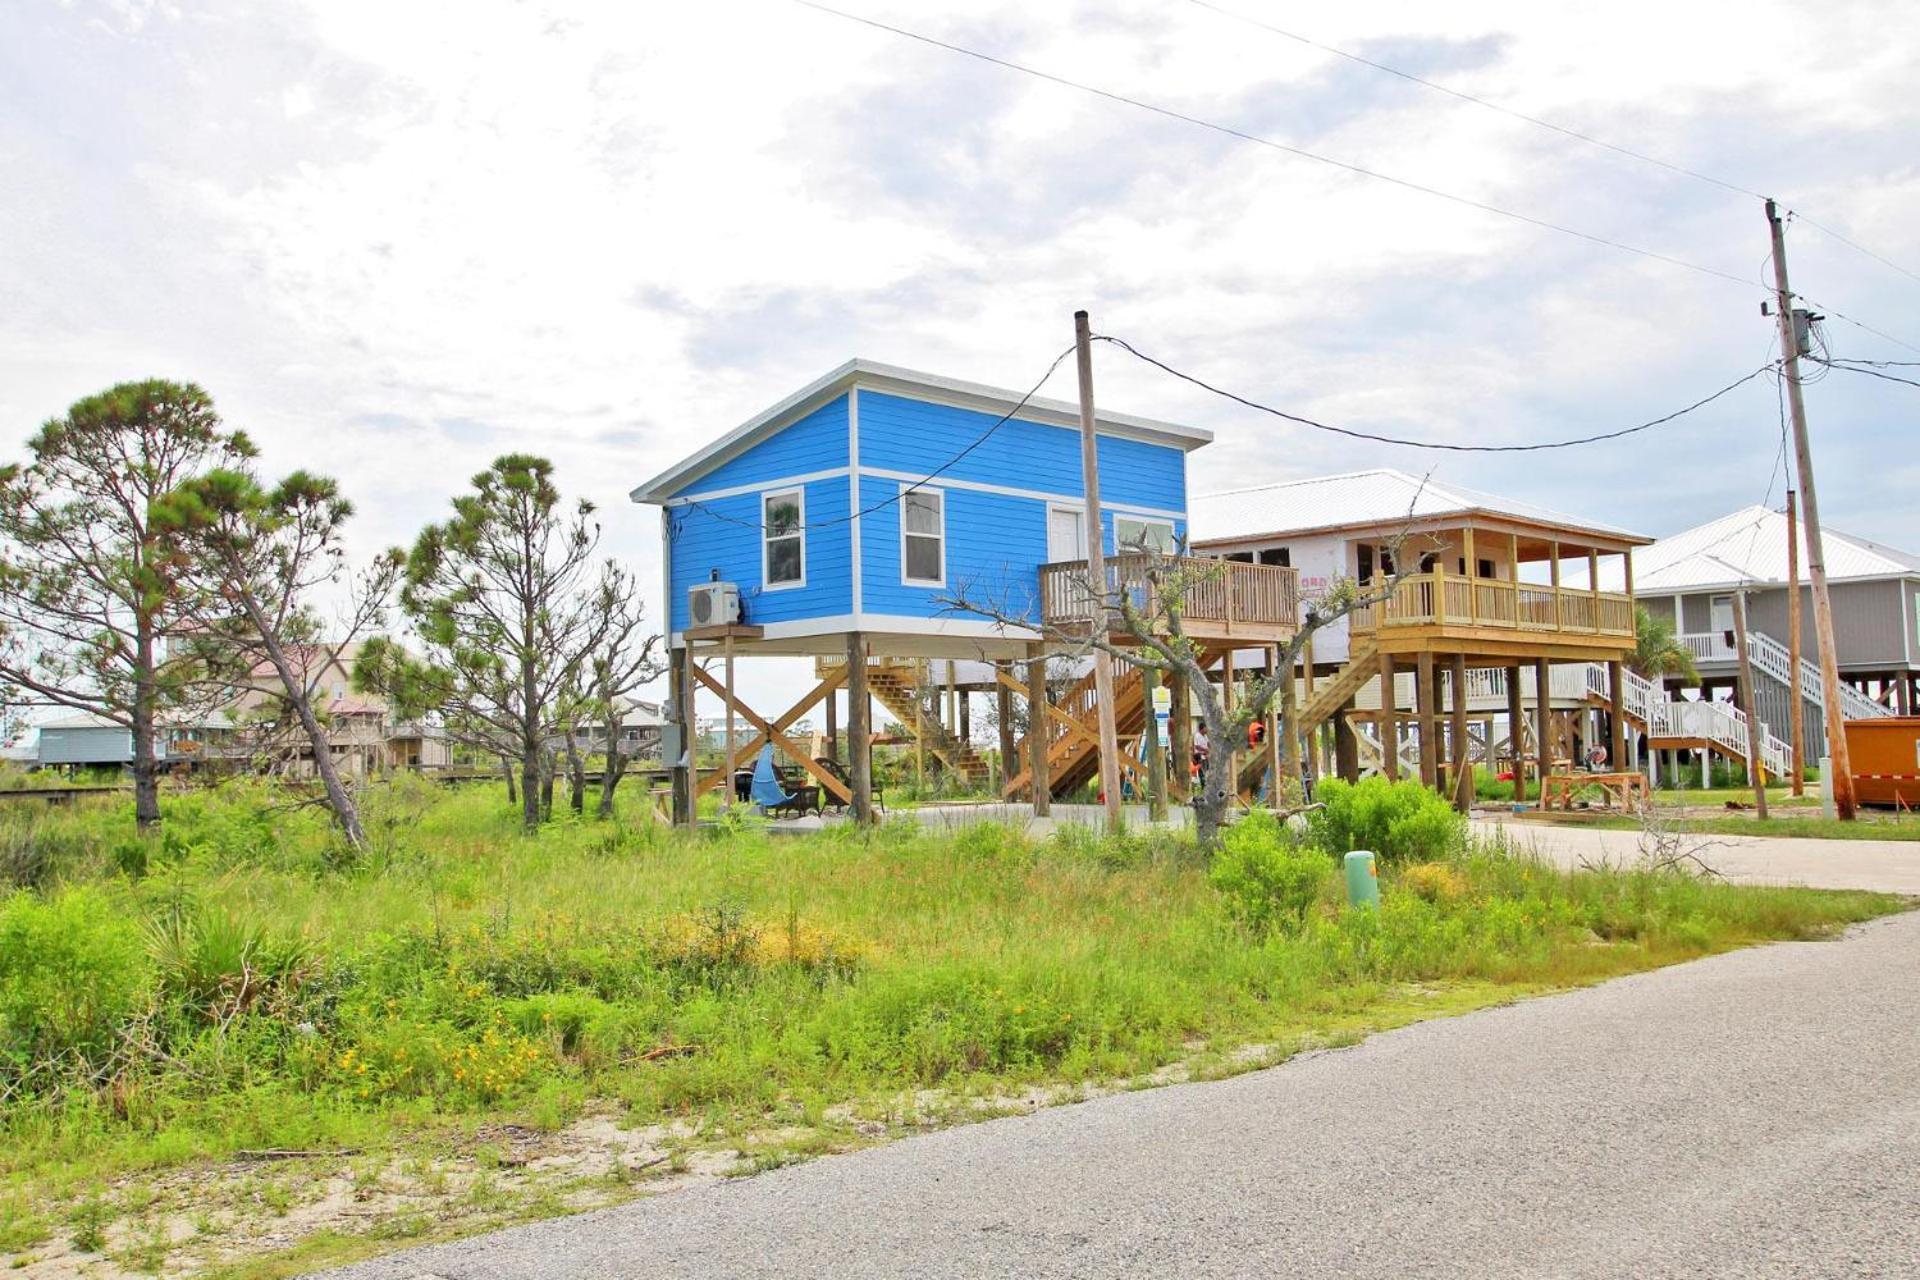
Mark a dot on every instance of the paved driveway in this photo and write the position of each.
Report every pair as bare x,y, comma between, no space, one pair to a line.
1755,1114
1892,865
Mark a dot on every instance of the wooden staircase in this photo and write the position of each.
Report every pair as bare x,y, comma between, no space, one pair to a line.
1363,664
896,689
1073,754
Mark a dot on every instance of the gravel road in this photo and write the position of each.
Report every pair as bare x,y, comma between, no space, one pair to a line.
1754,1114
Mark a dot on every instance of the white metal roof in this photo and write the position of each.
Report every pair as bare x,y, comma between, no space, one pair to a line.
1357,498
81,720
887,377
1750,545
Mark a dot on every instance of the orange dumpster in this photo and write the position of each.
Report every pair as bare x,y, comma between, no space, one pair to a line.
1885,753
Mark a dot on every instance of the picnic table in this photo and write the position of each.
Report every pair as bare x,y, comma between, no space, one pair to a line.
1626,792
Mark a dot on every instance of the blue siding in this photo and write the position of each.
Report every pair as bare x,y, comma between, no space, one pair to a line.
724,534
913,436
995,545
995,542
817,442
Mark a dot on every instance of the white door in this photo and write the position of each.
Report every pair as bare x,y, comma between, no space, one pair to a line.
1066,534
1721,613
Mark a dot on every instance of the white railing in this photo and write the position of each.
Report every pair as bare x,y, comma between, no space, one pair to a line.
1774,658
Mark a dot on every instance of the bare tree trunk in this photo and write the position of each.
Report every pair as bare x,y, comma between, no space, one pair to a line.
616,760
576,775
146,784
345,813
1215,791
506,771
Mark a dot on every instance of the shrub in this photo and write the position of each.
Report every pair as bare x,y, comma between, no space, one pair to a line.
217,964
1267,879
1399,821
1434,882
72,970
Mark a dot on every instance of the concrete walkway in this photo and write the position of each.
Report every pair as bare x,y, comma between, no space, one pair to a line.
1754,1114
1889,865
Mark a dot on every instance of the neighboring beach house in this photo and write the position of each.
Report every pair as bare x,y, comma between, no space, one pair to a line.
849,517
1689,580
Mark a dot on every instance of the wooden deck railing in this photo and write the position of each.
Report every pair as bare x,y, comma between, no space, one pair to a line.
1432,599
1219,593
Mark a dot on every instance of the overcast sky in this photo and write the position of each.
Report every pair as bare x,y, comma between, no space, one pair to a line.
395,240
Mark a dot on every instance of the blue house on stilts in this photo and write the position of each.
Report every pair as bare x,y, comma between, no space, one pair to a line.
843,522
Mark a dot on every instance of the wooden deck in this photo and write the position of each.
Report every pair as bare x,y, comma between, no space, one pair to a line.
1495,615
1225,599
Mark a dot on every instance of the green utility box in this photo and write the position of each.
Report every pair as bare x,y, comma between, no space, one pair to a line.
1363,879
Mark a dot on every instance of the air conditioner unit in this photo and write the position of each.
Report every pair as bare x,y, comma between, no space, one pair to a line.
713,604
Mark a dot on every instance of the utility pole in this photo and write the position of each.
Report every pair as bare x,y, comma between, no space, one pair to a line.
1097,574
1756,774
1841,765
1793,645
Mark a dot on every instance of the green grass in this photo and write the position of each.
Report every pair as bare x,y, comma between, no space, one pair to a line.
777,996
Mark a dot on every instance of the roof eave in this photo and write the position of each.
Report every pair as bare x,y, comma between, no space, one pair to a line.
868,373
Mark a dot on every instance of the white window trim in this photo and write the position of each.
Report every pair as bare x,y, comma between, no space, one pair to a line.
1121,549
799,494
906,581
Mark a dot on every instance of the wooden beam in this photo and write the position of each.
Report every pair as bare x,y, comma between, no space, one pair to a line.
859,728
776,733
1424,708
1462,764
1003,711
1471,566
1037,729
1389,720
1516,734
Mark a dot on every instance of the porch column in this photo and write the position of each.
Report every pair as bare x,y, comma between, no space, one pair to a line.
1553,569
1180,724
1283,747
1617,718
1037,733
859,735
681,695
833,726
1516,734
1231,747
1003,712
1389,720
1903,694
1543,718
1425,706
1462,764
1346,750
1472,566
1593,584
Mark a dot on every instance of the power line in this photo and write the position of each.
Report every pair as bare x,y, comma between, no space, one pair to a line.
1430,444
1287,148
1563,130
931,476
1878,364
1451,92
1871,373
1855,245
1858,324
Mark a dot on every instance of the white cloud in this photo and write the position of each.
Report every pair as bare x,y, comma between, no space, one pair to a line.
395,240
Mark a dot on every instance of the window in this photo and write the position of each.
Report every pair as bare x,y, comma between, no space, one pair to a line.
923,537
1132,535
783,523
1281,556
